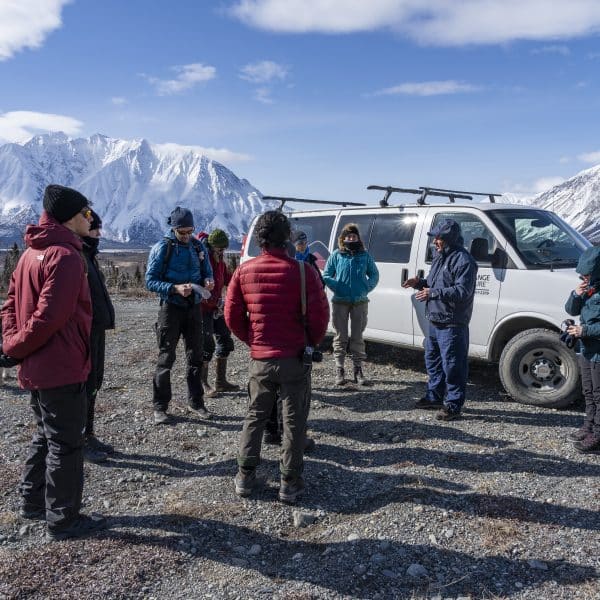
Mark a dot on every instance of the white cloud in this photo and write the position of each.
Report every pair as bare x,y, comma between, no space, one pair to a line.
590,157
263,95
436,22
21,125
428,88
27,23
552,49
263,71
118,100
187,77
545,183
219,154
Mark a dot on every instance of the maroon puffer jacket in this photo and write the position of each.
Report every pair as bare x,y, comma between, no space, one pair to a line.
221,277
263,306
47,317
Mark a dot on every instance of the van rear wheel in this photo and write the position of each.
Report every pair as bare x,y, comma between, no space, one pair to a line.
536,368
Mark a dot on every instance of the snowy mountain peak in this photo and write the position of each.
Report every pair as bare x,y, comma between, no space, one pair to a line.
132,184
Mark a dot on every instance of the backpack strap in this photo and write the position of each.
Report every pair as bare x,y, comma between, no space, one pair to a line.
167,258
303,299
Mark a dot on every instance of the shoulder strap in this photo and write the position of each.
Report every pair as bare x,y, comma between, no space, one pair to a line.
167,258
302,288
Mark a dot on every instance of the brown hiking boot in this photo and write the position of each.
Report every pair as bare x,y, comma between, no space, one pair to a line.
209,391
446,414
221,383
339,376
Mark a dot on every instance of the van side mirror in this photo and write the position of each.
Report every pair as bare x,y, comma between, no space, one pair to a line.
499,259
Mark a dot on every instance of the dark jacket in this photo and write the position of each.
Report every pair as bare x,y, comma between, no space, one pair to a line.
188,263
222,277
103,312
587,307
263,306
451,281
47,316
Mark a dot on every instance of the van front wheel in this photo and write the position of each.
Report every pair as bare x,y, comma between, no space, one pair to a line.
535,368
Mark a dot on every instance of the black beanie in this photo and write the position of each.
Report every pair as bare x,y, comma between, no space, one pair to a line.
181,217
63,203
96,222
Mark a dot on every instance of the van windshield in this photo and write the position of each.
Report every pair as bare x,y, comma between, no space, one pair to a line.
541,238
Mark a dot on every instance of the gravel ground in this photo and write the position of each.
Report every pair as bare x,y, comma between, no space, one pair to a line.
398,505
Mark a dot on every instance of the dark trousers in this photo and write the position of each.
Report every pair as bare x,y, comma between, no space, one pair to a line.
216,329
53,473
590,383
446,360
96,376
289,378
175,322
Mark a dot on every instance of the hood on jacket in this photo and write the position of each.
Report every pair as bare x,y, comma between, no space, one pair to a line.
49,232
349,228
589,264
449,231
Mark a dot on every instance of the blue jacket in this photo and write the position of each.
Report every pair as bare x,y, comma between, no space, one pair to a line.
350,276
451,282
587,307
188,263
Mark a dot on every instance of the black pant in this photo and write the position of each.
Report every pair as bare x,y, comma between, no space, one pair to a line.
216,328
590,382
96,376
173,322
53,473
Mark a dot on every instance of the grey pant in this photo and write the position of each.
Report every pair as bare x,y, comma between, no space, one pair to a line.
356,314
289,378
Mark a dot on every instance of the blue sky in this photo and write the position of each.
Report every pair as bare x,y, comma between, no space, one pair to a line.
319,98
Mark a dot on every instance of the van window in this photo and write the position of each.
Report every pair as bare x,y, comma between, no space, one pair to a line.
364,222
478,239
392,236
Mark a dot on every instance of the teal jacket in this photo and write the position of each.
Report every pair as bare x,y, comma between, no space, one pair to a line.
350,276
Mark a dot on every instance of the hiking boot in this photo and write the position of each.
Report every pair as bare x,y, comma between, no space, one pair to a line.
358,375
579,434
221,383
447,414
309,445
82,526
589,445
427,404
33,514
201,411
94,456
291,489
209,391
271,438
161,417
93,442
245,483
339,376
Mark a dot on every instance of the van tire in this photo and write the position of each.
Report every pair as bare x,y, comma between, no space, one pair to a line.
536,368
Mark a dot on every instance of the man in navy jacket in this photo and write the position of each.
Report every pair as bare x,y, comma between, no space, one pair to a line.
448,291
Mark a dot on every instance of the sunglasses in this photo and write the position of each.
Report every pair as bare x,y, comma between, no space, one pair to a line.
86,212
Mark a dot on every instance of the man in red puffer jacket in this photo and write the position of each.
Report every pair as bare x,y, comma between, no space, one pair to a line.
46,322
263,308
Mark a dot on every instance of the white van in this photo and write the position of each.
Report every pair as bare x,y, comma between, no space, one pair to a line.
526,257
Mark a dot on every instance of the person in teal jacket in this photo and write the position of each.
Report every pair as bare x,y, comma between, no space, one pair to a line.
350,273
584,301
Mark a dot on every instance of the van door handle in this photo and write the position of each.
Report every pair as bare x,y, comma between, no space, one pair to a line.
421,274
404,276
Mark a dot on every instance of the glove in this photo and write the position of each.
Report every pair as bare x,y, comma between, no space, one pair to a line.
6,362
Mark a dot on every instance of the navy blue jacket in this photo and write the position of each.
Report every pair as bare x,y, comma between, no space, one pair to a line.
188,263
451,282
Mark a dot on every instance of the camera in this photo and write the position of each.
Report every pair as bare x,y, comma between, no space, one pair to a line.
568,340
310,355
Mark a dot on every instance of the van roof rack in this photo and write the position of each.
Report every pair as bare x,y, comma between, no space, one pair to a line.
283,200
423,192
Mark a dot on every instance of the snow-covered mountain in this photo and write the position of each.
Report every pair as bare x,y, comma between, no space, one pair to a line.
133,185
576,200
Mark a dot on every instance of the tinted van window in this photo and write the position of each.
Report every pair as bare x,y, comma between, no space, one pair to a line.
391,238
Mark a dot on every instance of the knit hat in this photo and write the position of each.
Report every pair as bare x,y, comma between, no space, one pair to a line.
218,239
299,237
202,236
180,217
63,203
96,222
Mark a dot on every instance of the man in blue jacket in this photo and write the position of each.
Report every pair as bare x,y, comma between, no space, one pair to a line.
448,291
178,266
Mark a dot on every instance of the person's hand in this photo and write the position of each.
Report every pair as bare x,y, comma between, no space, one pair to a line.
575,330
422,295
582,288
209,284
183,289
412,282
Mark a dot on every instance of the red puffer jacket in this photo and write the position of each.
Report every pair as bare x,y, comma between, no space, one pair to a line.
47,317
222,277
263,306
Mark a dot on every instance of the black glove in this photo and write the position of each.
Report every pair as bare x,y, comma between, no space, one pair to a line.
7,362
568,340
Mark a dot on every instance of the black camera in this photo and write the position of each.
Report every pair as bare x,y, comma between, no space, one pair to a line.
567,339
310,355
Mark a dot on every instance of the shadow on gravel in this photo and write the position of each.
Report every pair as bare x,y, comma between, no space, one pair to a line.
539,419
334,565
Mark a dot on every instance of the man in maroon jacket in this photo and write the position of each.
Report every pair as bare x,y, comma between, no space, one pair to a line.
264,309
46,323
